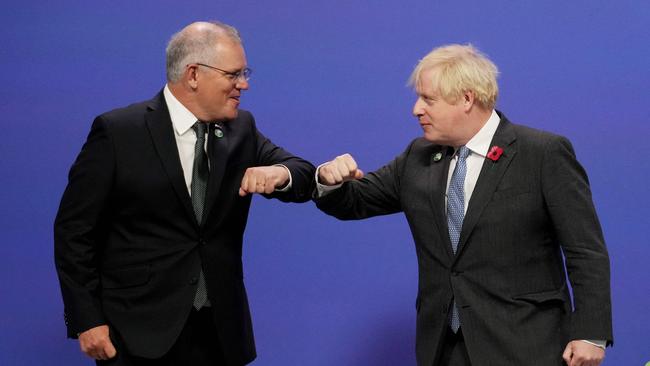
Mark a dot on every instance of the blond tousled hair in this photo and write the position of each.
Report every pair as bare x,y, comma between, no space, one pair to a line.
458,69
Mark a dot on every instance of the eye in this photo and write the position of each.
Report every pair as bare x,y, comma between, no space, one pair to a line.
427,99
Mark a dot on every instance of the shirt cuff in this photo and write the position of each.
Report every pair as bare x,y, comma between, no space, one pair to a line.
597,343
287,186
321,189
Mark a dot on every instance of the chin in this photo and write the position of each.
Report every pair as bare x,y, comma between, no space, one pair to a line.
230,114
432,138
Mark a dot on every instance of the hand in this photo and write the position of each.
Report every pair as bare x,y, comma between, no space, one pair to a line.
263,179
342,169
96,344
579,353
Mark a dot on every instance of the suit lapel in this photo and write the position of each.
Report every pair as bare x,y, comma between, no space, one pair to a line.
162,134
218,155
438,181
489,178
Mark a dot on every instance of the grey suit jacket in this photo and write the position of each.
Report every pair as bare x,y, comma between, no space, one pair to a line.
530,208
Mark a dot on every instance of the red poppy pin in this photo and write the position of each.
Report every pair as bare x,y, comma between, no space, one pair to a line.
495,153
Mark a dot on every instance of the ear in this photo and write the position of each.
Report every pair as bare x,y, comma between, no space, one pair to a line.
192,76
468,100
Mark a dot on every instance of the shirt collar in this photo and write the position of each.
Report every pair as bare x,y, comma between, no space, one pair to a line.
182,118
480,143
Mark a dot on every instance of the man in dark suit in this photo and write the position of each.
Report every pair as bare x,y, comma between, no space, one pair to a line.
493,207
148,237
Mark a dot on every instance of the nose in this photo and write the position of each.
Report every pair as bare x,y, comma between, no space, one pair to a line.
418,108
242,84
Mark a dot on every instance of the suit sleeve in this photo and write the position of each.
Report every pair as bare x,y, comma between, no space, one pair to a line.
302,171
568,199
78,227
378,193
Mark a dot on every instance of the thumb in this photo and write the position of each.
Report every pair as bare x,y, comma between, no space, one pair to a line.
358,174
110,350
568,352
242,192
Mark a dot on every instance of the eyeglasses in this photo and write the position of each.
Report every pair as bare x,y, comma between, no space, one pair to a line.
234,76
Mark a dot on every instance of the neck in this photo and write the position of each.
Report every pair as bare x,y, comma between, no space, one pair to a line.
185,96
477,117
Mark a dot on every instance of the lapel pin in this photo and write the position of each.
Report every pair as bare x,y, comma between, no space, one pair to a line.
495,153
437,156
218,132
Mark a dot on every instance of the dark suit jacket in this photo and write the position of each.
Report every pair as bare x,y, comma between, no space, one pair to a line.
128,248
529,208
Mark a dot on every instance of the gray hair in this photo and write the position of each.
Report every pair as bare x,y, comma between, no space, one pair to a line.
196,43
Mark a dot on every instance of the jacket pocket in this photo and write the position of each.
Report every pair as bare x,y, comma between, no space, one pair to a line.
509,192
126,277
543,297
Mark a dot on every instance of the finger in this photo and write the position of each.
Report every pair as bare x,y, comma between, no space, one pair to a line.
343,170
97,354
244,181
260,183
269,187
331,173
242,192
349,162
358,174
326,177
271,181
249,184
337,175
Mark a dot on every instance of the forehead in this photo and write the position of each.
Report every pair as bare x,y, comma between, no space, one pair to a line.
230,51
426,82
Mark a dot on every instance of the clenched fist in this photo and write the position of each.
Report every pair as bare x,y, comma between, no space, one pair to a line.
263,179
96,343
579,353
342,169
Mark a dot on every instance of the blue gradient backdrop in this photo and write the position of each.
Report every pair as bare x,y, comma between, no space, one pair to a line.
329,78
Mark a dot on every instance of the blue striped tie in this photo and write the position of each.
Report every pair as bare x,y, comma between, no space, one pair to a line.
456,214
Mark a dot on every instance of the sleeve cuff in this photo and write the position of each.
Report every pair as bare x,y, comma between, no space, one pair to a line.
287,186
597,343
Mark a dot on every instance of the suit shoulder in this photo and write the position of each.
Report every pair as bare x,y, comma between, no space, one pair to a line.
127,112
535,136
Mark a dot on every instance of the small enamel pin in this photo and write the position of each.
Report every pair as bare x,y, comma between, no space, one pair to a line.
218,133
437,156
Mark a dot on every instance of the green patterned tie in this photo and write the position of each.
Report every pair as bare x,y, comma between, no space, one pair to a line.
198,187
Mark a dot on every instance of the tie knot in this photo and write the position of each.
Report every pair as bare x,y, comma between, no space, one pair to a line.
200,128
463,152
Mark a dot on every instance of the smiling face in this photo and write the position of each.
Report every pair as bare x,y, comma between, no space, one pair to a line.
442,122
217,94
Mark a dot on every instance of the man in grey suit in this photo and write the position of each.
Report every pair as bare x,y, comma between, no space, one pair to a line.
493,208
